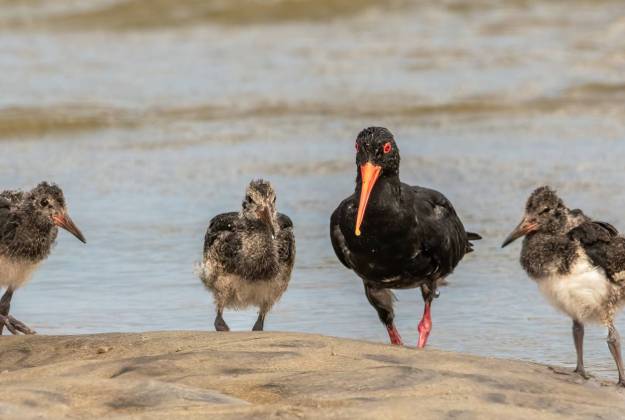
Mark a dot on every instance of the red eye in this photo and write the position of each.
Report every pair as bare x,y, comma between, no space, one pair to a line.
357,146
387,147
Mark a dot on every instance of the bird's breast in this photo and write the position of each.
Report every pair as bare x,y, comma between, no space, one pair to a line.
380,223
582,293
386,242
544,255
259,256
15,272
381,256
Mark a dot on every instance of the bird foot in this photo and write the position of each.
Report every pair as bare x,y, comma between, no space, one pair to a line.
621,383
581,372
14,326
577,372
220,325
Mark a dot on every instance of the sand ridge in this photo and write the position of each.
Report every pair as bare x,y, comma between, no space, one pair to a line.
279,375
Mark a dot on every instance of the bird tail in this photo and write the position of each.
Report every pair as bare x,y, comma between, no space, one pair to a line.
471,236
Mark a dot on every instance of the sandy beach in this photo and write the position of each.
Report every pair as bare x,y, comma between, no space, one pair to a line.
279,375
153,117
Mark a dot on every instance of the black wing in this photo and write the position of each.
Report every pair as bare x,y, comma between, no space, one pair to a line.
219,224
603,246
444,241
5,206
284,221
5,211
336,236
286,239
8,224
608,227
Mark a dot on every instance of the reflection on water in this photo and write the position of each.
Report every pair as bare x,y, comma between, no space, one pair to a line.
153,129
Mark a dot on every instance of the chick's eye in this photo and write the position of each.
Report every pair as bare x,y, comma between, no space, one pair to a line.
44,203
545,211
387,147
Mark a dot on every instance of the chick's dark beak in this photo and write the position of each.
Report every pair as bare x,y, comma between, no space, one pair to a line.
63,220
265,216
526,226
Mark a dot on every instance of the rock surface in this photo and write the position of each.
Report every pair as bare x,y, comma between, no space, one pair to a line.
164,375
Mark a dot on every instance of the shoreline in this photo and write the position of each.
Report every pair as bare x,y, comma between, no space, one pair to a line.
191,374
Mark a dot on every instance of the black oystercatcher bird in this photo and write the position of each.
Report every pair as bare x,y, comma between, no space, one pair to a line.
249,255
578,264
394,235
28,229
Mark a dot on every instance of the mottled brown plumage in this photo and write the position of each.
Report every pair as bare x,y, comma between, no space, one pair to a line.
578,264
249,255
28,229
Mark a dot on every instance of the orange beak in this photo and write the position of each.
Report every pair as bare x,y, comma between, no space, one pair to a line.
526,226
63,220
369,174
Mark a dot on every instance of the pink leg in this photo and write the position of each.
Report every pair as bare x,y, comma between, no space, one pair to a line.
425,326
393,334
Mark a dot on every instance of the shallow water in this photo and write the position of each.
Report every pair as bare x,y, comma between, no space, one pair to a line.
153,128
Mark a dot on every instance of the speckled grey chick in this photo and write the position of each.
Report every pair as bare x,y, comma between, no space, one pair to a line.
29,224
249,255
578,264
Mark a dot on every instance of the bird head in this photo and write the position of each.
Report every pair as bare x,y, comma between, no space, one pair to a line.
376,155
544,212
260,203
48,204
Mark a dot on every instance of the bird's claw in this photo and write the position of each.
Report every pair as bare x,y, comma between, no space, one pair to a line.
14,326
576,372
220,324
582,373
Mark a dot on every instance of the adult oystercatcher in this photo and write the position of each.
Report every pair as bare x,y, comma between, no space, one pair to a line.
28,229
578,264
394,235
249,255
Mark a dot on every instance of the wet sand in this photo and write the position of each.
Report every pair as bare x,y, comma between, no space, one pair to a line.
279,375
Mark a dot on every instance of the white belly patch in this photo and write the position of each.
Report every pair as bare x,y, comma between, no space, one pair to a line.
15,273
583,294
232,291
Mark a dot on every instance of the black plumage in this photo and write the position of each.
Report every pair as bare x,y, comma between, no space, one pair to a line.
249,255
603,245
28,229
394,235
578,264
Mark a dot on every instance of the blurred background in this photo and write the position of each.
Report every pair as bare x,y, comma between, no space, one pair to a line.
153,115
